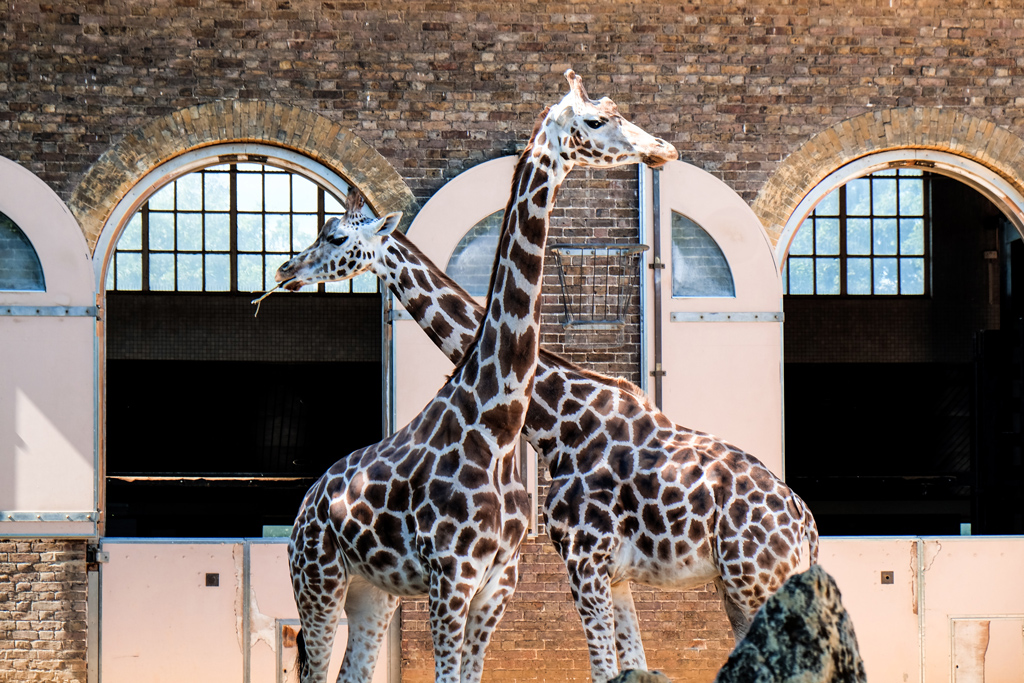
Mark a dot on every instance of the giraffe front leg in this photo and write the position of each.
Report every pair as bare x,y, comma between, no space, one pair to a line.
485,612
449,606
369,611
591,590
628,642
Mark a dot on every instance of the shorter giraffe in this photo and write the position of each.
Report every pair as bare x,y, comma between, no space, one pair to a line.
634,497
437,508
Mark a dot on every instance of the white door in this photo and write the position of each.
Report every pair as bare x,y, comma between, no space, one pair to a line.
720,318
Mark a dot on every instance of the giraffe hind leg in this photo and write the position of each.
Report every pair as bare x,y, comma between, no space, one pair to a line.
369,611
485,611
628,643
739,619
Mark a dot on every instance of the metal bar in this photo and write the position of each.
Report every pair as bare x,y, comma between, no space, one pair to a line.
658,372
737,317
24,516
50,311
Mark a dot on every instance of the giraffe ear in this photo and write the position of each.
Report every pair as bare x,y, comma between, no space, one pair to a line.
564,116
391,222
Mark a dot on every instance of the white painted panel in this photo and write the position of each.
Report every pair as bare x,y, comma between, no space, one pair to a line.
161,623
884,615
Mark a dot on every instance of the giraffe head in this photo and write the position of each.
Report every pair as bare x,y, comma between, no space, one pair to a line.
344,248
594,133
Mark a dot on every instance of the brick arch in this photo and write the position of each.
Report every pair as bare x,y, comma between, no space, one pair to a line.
919,128
114,174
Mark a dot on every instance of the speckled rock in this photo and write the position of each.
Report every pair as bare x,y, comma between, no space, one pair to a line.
801,635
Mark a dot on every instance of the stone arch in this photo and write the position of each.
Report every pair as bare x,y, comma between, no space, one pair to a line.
114,174
919,128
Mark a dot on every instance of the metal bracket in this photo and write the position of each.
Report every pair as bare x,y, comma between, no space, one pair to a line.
738,317
658,371
399,314
50,311
22,516
656,264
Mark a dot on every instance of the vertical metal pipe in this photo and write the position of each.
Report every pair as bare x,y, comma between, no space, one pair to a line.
657,266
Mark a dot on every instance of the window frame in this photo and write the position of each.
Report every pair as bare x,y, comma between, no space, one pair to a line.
843,217
230,168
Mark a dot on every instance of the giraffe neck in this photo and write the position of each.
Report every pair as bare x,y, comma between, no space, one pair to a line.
498,368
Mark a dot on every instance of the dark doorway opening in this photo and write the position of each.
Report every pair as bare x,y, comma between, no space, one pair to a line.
218,422
903,412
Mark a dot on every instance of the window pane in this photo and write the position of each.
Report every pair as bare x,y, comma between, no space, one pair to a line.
911,276
161,231
218,191
826,233
803,240
858,236
190,272
304,231
131,238
218,273
161,272
163,200
304,194
885,236
827,273
272,263
218,232
129,270
912,236
190,192
858,276
278,232
365,283
885,279
250,272
470,263
699,268
250,192
332,205
829,206
190,232
110,275
276,192
883,198
343,286
250,232
801,275
911,197
858,197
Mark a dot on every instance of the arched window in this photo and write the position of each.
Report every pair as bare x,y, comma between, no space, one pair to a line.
471,262
225,228
699,268
20,270
868,237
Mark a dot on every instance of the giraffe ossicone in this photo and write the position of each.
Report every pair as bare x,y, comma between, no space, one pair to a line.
437,508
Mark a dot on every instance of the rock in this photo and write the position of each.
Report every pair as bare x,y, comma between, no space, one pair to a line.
802,634
640,676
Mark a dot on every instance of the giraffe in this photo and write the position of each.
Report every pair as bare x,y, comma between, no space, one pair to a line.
634,497
438,508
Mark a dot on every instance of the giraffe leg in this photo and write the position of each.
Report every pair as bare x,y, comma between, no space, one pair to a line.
369,611
736,610
628,642
320,587
591,589
485,611
449,606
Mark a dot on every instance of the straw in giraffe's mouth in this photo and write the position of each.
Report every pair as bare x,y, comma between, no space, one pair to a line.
267,293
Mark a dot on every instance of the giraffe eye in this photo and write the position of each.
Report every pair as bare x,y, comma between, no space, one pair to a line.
594,123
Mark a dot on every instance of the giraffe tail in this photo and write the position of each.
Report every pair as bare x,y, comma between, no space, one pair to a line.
301,657
810,533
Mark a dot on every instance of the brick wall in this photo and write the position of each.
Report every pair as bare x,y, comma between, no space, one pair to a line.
43,612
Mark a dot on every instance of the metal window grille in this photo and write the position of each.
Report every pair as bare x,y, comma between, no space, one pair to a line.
598,283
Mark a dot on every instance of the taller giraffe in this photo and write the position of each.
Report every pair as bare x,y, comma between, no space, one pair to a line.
633,496
437,508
